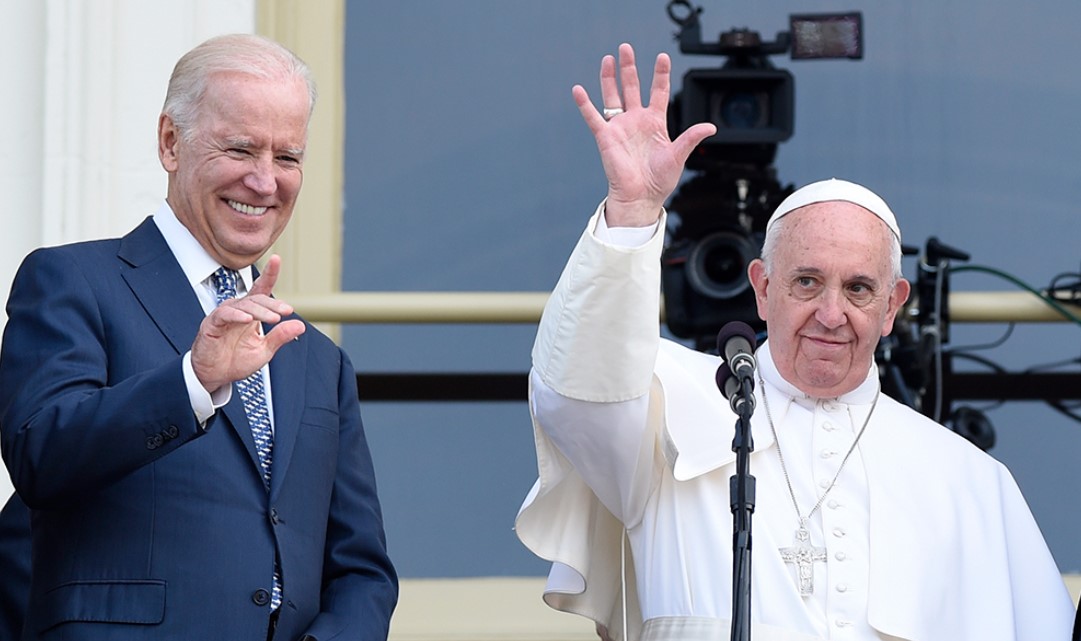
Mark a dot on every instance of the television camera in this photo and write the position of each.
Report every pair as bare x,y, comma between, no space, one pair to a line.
722,208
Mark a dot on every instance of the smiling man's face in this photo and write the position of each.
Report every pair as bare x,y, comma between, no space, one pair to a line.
234,180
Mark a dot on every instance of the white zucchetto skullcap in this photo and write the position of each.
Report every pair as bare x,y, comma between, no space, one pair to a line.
834,189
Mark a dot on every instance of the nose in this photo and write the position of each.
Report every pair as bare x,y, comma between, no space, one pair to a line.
831,309
260,178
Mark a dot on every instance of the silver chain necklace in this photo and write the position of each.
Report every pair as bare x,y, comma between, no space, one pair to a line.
802,554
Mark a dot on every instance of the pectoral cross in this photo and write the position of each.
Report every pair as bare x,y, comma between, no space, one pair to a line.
803,555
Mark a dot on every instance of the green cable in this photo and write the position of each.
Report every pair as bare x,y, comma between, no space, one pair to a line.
1051,302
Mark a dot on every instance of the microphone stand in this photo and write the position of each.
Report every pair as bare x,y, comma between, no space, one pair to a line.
741,492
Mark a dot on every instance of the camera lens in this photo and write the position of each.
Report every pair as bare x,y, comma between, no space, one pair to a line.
742,110
717,265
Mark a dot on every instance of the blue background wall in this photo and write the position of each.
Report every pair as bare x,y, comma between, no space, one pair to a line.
468,168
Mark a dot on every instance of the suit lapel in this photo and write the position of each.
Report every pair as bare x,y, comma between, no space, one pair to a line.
238,419
158,282
287,383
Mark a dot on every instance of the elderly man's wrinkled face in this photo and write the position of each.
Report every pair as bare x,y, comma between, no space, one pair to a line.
829,297
234,184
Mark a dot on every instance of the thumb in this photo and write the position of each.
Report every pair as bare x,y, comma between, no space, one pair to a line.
688,140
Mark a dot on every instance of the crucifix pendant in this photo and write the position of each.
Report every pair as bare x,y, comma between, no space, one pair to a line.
803,555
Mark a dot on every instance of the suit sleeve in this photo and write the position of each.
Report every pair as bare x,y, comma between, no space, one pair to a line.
14,567
360,586
70,423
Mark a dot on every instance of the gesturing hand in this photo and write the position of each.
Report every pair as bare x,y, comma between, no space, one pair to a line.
230,344
642,164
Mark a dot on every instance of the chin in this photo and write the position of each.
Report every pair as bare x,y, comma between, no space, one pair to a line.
823,382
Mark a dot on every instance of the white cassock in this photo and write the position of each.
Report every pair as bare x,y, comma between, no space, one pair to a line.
925,537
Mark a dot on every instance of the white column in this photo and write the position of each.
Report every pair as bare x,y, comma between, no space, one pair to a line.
20,167
86,81
107,66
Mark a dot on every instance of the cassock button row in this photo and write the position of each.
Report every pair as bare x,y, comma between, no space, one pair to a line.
841,623
838,532
842,587
829,406
827,453
833,504
824,483
829,427
840,556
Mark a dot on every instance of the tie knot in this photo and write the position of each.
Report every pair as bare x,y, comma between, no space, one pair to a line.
225,283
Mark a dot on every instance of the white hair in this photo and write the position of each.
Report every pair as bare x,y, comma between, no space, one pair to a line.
250,54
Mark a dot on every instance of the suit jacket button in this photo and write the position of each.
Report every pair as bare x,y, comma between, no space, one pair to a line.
260,597
153,442
274,515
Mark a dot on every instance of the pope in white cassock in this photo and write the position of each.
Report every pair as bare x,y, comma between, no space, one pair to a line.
871,522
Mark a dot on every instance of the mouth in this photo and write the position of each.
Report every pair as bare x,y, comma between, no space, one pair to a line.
247,210
827,343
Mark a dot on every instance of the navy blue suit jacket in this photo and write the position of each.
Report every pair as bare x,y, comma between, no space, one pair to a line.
144,525
14,567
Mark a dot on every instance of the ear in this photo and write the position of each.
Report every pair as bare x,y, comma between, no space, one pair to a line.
756,273
168,139
898,297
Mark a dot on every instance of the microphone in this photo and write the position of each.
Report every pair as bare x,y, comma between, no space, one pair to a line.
729,386
736,343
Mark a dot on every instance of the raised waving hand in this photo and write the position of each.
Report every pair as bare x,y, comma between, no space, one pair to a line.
642,164
231,345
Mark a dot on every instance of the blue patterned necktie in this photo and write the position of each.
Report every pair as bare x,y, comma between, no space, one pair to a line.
253,394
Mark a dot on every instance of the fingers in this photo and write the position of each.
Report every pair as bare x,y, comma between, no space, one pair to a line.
268,277
259,302
659,90
282,334
610,98
253,307
230,346
631,95
258,306
592,117
621,88
628,75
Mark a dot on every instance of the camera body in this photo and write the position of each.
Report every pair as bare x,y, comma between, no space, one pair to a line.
722,219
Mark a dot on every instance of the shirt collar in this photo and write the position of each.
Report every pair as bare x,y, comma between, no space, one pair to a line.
197,263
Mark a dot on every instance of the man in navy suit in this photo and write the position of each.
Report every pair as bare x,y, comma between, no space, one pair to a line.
191,451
